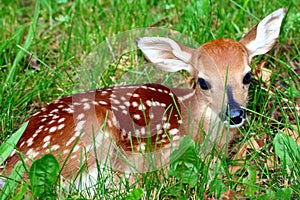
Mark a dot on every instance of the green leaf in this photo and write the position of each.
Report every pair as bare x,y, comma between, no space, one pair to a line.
284,193
269,195
43,174
287,149
217,187
250,182
7,147
135,194
185,162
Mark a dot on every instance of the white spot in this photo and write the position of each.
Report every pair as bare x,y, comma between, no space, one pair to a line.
113,96
128,94
86,106
13,153
61,120
125,112
115,101
173,131
36,113
151,88
103,102
66,151
74,156
38,131
136,95
41,127
160,90
70,140
22,144
55,117
47,138
149,103
84,100
51,122
68,110
158,126
137,116
77,133
143,131
46,129
176,137
141,107
166,125
180,121
144,87
151,116
95,102
60,126
123,98
35,134
114,108
134,104
166,91
76,103
54,111
55,147
79,125
46,144
163,104
104,92
142,147
76,148
52,129
60,106
171,94
29,142
122,107
80,116
126,103
44,119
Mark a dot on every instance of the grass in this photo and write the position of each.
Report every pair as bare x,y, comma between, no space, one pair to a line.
44,49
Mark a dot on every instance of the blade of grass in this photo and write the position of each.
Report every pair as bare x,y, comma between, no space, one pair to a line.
27,44
7,147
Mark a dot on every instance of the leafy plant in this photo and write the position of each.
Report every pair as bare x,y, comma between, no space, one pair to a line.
43,176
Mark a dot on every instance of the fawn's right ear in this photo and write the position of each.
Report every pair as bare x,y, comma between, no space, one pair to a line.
263,36
165,53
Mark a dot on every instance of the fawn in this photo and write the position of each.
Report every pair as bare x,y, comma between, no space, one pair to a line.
127,125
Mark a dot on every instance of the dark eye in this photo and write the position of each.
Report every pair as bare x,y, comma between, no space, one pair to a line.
203,84
247,78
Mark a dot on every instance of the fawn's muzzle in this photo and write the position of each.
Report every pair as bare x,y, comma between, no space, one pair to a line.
235,115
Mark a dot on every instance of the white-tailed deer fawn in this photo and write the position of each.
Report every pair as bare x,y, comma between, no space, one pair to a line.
127,125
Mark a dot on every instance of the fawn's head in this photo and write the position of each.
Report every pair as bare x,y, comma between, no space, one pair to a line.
221,68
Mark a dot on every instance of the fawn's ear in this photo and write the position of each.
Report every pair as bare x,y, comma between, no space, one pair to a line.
263,36
165,53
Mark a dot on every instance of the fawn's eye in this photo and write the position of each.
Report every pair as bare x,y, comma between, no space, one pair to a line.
203,84
247,78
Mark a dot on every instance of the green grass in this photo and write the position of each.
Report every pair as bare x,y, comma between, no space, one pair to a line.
44,49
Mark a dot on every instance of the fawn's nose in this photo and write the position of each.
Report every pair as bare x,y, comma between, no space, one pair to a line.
235,115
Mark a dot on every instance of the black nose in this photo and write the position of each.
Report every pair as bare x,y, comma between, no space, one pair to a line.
236,116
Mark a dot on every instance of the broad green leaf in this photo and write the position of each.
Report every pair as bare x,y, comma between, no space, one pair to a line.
135,194
7,147
287,149
284,193
43,174
250,182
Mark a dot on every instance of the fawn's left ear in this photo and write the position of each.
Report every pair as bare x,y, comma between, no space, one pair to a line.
263,36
